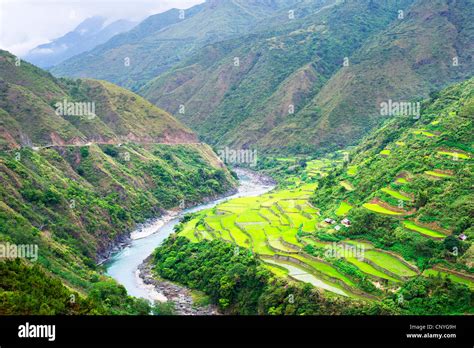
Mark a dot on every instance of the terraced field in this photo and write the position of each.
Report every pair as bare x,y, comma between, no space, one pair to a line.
290,235
379,209
389,263
423,230
438,174
347,185
278,225
454,277
343,209
396,194
423,132
454,154
401,181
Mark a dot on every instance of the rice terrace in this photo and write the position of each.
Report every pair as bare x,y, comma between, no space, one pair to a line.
279,227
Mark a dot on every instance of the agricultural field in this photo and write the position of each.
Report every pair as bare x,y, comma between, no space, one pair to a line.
343,209
410,225
396,194
377,208
280,225
359,225
438,174
452,276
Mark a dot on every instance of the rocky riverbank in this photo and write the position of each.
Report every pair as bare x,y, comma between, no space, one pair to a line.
179,295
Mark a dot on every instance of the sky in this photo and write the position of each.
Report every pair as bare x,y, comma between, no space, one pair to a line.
25,24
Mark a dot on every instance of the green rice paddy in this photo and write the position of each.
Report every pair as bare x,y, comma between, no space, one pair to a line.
283,221
423,132
343,209
438,174
423,230
455,278
347,185
396,194
352,170
389,263
453,154
379,209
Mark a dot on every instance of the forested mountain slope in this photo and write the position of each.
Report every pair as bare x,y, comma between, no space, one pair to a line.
316,82
75,185
162,40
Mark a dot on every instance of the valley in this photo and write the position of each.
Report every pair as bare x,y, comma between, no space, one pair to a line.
241,157
317,226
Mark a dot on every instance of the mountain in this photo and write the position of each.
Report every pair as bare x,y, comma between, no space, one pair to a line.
292,92
91,32
75,185
131,59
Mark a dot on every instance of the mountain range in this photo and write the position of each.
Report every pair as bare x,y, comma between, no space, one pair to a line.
268,80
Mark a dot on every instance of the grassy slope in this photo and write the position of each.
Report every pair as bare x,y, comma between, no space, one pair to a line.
29,113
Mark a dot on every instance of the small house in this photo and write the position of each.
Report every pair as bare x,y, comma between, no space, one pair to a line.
337,227
462,236
329,221
346,222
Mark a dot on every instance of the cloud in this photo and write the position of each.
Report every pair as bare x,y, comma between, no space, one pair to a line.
25,24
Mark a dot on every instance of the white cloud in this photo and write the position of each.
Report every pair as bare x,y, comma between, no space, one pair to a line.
25,24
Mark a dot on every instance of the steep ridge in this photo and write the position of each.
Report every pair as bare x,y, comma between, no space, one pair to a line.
427,49
34,108
279,71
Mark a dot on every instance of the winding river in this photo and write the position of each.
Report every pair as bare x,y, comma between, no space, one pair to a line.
123,265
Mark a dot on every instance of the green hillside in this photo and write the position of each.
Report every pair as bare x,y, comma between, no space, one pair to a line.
413,198
76,186
31,113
